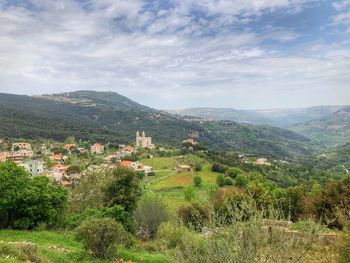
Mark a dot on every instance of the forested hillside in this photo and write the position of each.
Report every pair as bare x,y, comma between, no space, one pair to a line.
107,116
328,132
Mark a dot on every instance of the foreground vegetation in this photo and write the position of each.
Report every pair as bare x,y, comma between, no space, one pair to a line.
221,210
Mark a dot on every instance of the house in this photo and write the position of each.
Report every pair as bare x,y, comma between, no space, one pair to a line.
143,141
97,148
21,146
126,163
146,169
59,158
262,161
82,150
68,146
184,168
59,168
34,167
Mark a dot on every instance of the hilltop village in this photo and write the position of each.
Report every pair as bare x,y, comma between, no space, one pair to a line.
66,163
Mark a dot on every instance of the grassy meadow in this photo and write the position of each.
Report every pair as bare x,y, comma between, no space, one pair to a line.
61,247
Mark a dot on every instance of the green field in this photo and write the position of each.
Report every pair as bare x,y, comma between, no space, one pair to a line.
170,184
61,247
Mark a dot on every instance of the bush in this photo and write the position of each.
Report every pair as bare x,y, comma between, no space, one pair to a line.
119,214
101,236
197,180
220,180
193,215
198,167
231,204
233,172
21,251
140,174
220,168
229,181
148,215
189,194
241,180
171,234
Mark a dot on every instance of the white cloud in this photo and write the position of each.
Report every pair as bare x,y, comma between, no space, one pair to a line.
156,55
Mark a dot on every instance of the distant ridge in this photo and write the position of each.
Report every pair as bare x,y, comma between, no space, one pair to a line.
110,117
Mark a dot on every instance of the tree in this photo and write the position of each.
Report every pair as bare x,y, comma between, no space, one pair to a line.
73,169
101,236
25,201
241,180
197,180
332,205
193,215
148,215
198,167
218,167
233,172
294,202
220,180
122,188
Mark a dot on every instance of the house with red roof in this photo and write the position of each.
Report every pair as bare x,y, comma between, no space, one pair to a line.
97,148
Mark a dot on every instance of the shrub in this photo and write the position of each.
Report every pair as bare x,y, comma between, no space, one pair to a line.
218,167
189,194
21,251
140,174
197,180
309,226
171,234
220,180
193,215
148,215
229,181
101,236
119,214
241,180
198,167
233,172
231,204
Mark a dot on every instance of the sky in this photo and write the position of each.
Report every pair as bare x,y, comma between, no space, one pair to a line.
172,54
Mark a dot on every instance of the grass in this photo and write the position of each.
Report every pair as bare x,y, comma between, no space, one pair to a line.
50,242
161,163
170,184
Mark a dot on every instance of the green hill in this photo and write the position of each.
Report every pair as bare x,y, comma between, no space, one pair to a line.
328,132
108,116
283,118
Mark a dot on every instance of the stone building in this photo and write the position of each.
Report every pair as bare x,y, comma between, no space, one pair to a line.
143,141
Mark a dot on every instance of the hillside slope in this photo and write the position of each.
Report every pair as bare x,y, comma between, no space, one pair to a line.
328,132
283,118
106,116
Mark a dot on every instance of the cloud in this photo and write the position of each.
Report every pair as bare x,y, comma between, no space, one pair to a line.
163,55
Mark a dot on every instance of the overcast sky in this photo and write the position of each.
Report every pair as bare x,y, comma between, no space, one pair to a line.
180,53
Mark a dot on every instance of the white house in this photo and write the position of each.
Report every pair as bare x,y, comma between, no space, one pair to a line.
97,148
34,167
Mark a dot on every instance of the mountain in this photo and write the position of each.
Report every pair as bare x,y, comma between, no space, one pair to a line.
286,118
329,131
108,116
283,118
242,116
